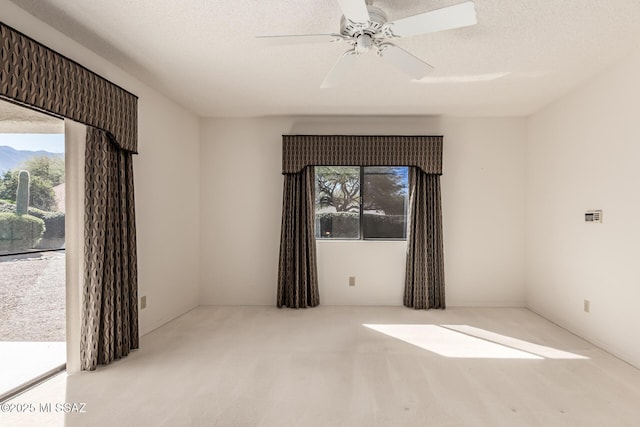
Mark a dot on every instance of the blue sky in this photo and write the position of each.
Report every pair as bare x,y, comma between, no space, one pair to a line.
53,143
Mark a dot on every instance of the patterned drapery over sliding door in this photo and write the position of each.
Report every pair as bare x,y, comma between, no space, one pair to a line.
37,77
110,300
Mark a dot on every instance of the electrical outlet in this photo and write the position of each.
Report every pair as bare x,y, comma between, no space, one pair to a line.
143,302
352,280
587,306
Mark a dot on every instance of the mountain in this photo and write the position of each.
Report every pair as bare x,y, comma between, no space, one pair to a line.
10,158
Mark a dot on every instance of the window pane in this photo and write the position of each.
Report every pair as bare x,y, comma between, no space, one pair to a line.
385,196
32,184
337,202
32,255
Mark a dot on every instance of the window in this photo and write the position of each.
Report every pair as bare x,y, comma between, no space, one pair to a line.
32,249
355,202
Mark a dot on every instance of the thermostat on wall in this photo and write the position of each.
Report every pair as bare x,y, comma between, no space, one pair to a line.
593,216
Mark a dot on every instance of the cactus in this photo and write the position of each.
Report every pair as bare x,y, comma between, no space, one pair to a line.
22,195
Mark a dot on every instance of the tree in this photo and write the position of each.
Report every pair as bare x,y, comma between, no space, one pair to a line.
385,189
338,187
49,169
42,195
7,187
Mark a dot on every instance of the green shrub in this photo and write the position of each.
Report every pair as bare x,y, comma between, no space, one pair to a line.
346,225
338,225
6,206
384,226
19,232
53,221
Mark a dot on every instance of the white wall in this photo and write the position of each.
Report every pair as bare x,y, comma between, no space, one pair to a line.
583,153
483,209
167,208
166,181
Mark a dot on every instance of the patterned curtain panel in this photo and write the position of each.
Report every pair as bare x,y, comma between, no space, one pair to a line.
297,272
299,151
424,281
38,77
33,75
110,308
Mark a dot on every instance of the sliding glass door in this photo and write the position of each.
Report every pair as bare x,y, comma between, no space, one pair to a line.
32,247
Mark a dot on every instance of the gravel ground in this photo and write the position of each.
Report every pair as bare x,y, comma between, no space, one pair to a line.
32,297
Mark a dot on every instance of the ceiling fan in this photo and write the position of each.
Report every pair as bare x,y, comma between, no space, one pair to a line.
365,28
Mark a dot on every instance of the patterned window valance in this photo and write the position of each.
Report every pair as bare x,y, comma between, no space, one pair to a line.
299,151
36,76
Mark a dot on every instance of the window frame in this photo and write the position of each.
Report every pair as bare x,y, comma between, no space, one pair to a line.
361,208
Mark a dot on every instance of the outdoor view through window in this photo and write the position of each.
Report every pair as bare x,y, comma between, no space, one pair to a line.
32,256
354,202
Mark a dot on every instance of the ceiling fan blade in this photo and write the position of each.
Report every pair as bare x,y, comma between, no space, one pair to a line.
354,10
340,69
447,18
301,38
414,67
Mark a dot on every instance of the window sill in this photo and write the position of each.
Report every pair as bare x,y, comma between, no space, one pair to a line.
377,241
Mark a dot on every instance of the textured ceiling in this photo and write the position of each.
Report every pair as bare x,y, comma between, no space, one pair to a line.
203,54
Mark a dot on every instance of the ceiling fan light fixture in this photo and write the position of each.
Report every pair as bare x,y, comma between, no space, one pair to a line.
364,43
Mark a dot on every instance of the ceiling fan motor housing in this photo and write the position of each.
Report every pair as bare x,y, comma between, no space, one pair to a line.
377,18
